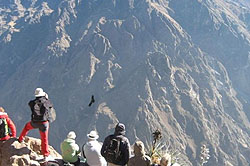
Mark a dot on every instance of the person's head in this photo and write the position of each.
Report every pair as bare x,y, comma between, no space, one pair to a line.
2,109
166,160
139,148
93,135
39,92
120,129
71,135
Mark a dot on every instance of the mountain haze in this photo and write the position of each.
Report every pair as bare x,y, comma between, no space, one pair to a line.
174,65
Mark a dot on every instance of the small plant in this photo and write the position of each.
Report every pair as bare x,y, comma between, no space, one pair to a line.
160,147
156,137
204,155
155,150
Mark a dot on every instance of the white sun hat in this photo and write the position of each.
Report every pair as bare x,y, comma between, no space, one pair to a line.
93,135
39,92
71,135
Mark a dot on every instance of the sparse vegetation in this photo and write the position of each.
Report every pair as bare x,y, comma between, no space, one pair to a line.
160,147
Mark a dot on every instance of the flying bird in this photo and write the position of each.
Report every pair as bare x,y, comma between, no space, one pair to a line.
92,100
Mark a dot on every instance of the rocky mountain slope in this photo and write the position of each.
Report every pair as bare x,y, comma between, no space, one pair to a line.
180,66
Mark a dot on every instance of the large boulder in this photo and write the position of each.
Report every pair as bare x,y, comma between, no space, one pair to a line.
27,153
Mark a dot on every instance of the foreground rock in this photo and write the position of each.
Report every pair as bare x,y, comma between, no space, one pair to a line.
13,153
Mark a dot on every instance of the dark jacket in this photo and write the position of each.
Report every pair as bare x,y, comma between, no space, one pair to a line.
44,104
124,144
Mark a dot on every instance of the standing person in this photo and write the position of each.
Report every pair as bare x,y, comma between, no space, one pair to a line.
92,150
40,107
70,150
6,124
116,147
140,158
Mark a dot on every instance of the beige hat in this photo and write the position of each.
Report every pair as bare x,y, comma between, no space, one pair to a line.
71,135
93,135
166,160
39,92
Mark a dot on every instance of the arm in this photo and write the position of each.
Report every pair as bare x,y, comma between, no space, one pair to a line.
83,154
12,127
76,148
31,105
79,150
104,146
127,152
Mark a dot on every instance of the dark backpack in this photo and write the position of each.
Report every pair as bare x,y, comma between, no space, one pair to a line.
50,114
38,111
4,131
42,111
112,153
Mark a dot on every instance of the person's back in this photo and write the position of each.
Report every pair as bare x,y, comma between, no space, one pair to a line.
40,107
116,147
5,124
140,158
92,150
70,149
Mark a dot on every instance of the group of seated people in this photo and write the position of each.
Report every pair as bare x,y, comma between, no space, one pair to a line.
93,151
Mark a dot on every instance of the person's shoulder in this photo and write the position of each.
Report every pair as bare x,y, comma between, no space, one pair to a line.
109,136
63,143
124,138
32,101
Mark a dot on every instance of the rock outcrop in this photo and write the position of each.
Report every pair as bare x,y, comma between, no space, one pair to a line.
27,153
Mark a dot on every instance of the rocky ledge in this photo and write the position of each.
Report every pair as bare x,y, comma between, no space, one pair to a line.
27,153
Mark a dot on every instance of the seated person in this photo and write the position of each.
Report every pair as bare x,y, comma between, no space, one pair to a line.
140,158
92,150
70,150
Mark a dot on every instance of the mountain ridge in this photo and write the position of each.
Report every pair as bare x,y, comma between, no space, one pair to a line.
145,68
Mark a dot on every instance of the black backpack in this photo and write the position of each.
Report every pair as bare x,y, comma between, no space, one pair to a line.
4,131
43,112
38,111
112,153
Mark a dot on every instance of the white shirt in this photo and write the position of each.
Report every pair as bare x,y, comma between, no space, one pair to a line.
92,151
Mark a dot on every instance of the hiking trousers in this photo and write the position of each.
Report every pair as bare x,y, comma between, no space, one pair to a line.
44,132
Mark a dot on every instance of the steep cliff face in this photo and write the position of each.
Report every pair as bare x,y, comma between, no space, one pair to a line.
222,30
139,60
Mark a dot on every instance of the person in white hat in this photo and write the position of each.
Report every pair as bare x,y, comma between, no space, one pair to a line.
92,150
39,120
70,150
